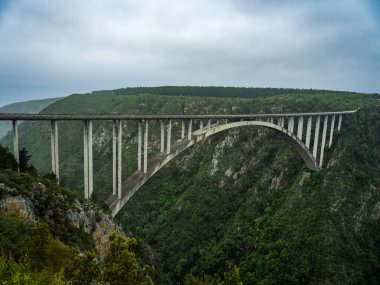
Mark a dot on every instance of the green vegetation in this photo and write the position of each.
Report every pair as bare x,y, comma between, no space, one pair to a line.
218,91
40,245
241,207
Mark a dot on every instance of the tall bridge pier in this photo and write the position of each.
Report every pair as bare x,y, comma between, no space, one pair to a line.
292,127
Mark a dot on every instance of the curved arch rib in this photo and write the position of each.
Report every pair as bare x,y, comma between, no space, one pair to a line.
137,179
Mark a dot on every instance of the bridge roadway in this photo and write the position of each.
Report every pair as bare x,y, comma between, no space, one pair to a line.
311,147
106,117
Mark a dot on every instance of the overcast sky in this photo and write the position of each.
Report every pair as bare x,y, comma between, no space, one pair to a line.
56,48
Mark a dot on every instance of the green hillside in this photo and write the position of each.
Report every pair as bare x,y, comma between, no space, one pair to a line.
50,235
242,197
217,91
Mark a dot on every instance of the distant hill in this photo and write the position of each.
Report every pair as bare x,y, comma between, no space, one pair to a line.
220,91
32,107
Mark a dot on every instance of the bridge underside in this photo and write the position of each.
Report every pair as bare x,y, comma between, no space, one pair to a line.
133,183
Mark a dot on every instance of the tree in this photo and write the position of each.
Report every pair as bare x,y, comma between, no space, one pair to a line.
24,162
121,266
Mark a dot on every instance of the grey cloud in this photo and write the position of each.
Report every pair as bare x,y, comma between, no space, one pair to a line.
53,48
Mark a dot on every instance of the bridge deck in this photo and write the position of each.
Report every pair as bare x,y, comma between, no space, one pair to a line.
64,117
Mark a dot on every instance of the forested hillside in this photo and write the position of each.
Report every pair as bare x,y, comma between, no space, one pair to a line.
240,205
218,91
49,235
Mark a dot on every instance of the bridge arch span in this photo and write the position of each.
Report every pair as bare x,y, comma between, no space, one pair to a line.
134,182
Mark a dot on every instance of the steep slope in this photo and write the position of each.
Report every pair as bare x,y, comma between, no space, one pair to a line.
242,197
49,233
246,199
33,107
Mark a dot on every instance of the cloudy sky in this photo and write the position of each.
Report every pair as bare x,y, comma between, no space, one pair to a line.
55,48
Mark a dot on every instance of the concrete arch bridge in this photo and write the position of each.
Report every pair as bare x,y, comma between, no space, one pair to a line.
298,129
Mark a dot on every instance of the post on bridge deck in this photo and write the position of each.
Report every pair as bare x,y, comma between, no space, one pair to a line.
169,136
332,130
308,131
300,127
139,145
316,136
183,129
15,143
189,129
340,122
325,121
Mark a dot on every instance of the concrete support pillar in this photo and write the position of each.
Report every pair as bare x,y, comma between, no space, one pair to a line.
56,153
308,131
85,158
279,121
340,122
282,122
139,145
271,120
189,129
316,136
146,126
114,157
119,157
300,127
332,130
323,140
201,125
52,146
169,136
209,124
183,130
90,161
15,143
162,124
291,124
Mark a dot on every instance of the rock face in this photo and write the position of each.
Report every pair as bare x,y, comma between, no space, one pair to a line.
39,205
18,206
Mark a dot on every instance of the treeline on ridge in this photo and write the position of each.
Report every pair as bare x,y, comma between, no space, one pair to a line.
218,91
